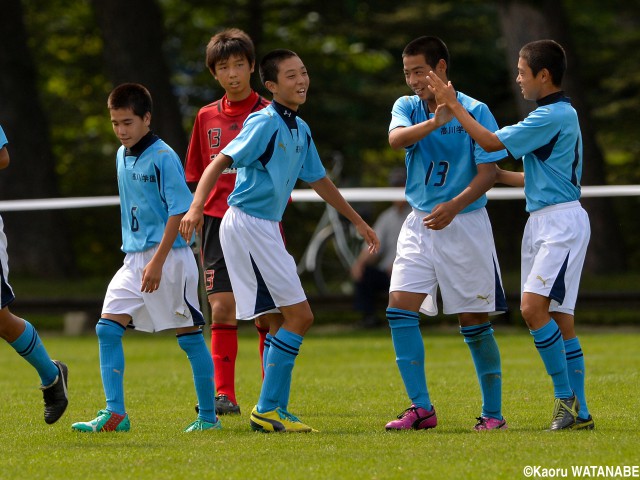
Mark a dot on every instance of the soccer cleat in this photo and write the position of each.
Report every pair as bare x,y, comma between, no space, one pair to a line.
565,413
55,395
224,406
106,421
200,424
488,423
584,424
416,418
277,420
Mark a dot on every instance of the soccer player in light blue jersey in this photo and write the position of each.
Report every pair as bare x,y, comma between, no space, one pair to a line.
157,287
273,149
22,336
557,233
446,241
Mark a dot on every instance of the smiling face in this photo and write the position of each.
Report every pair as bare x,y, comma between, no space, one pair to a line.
129,127
416,70
293,83
234,75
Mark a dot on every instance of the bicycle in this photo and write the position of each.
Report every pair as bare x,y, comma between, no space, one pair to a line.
332,249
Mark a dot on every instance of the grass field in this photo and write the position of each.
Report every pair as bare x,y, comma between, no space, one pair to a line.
347,386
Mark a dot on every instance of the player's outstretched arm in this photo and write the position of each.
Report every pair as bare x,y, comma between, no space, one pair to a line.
330,194
507,177
446,97
194,219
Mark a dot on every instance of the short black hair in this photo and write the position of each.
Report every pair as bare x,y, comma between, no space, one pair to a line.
547,54
131,95
432,48
270,63
223,45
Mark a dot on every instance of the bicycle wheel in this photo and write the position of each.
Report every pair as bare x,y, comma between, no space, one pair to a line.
332,271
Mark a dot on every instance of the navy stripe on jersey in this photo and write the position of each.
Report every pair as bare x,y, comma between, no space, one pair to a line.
558,289
544,152
576,162
268,152
264,301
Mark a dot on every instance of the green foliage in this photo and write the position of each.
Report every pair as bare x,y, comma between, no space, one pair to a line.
345,385
353,51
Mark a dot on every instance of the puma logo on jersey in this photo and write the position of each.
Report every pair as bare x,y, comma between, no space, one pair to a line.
544,282
483,297
282,146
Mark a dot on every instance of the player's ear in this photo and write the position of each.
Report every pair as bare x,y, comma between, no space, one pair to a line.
441,67
147,119
271,86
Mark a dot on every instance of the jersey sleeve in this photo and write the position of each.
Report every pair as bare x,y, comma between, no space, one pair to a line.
253,142
529,134
401,113
173,187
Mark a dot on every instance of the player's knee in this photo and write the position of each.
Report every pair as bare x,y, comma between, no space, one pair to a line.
223,313
534,317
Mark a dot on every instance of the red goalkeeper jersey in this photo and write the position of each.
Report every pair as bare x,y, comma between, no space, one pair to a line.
216,125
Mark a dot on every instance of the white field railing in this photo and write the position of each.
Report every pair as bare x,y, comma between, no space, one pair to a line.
309,195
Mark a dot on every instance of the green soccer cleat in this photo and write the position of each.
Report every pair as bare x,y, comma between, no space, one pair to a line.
277,420
565,413
106,421
200,425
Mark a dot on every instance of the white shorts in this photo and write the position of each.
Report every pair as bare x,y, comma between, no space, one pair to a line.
461,259
175,303
6,293
262,273
554,246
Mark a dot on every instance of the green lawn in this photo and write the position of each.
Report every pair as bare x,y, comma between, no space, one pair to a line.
347,386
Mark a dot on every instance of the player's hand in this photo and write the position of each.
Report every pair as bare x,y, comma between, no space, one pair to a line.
369,236
191,221
441,216
444,92
151,276
442,115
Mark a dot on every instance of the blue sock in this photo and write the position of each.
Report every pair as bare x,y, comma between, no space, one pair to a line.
283,351
112,363
486,358
575,367
548,341
202,367
30,347
409,347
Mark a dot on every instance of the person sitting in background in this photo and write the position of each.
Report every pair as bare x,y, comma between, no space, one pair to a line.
371,273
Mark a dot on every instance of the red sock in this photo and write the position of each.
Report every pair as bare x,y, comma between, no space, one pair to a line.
262,333
224,350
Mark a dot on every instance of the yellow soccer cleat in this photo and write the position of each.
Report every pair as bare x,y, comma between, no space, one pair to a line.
277,420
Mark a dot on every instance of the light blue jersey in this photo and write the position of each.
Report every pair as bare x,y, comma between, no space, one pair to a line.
273,149
550,141
442,164
3,138
152,188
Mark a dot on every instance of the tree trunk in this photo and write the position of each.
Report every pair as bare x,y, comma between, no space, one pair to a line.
523,23
37,239
133,34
